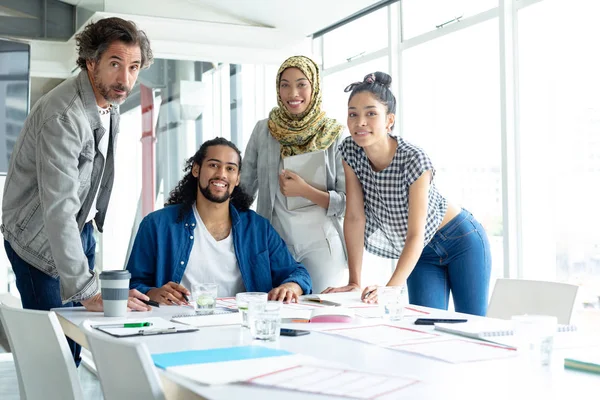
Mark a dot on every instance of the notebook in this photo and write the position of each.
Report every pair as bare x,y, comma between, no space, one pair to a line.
487,329
312,168
588,363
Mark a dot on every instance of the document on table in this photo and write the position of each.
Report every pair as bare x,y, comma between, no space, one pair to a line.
155,326
457,350
233,318
383,335
335,382
376,311
228,364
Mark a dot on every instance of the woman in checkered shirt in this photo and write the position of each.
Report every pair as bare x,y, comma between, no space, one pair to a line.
394,210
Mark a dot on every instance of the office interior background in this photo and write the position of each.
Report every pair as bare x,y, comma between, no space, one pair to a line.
502,94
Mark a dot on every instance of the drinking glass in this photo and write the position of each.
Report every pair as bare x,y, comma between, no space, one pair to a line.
393,301
535,337
242,300
204,297
264,319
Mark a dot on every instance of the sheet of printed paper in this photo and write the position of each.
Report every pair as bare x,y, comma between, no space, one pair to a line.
457,351
376,311
383,335
334,382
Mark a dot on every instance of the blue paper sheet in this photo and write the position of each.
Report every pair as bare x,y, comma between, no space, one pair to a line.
166,360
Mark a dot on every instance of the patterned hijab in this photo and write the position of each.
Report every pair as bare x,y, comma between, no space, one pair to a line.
309,131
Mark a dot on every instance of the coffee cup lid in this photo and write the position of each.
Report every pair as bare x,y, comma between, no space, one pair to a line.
115,275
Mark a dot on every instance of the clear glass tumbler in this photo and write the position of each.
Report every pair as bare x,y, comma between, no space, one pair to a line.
204,297
264,320
242,300
393,300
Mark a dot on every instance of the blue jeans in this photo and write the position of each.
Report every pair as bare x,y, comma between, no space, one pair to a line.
457,259
40,291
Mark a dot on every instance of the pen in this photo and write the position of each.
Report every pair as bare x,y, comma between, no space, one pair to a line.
185,297
326,302
369,293
128,325
157,331
150,303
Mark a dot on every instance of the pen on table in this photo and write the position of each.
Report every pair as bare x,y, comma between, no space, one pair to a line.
368,293
128,325
326,302
150,303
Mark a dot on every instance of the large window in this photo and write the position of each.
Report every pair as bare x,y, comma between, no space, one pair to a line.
421,16
356,39
451,109
560,143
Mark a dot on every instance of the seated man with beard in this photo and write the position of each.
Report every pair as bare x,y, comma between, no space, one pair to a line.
206,233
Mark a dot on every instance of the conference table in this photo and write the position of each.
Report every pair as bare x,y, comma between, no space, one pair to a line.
511,377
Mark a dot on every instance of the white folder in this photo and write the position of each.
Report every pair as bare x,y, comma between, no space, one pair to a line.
312,168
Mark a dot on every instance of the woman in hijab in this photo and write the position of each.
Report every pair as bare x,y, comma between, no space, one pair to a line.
313,233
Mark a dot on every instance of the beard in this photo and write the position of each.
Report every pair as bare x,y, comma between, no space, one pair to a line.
104,90
211,197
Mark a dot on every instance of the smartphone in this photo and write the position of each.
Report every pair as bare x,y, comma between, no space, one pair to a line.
431,321
292,332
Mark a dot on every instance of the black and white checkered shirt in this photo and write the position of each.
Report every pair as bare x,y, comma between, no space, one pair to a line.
386,196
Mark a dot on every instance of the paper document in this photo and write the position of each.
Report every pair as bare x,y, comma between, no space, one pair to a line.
383,335
226,365
335,382
232,318
488,328
126,327
458,350
312,168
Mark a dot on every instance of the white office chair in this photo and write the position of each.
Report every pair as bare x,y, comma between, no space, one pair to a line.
125,369
519,296
44,363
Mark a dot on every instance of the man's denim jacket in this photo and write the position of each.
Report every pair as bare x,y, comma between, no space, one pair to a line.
54,172
162,247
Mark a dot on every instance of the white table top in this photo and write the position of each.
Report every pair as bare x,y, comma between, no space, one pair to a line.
510,378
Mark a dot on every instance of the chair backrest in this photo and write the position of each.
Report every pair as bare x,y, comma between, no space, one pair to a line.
43,360
125,369
519,296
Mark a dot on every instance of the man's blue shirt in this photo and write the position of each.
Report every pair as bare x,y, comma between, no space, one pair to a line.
163,244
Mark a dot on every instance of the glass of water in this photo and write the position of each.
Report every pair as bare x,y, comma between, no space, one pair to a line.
535,337
393,300
264,320
242,300
204,297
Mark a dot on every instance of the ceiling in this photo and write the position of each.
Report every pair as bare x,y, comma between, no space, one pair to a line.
231,31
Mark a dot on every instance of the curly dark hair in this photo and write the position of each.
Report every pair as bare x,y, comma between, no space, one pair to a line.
96,37
186,190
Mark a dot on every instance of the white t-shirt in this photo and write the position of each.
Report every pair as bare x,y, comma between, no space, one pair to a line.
103,149
212,262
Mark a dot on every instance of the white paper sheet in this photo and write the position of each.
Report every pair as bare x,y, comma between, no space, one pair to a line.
458,350
211,320
218,373
334,381
383,335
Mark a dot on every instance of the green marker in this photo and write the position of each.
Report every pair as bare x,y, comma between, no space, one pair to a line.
128,325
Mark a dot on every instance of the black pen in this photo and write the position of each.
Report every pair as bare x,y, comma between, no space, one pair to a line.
368,294
150,303
185,298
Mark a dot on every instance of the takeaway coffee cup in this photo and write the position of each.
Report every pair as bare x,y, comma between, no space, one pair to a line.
115,292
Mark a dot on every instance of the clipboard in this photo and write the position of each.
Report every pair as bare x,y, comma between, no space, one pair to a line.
159,326
312,167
